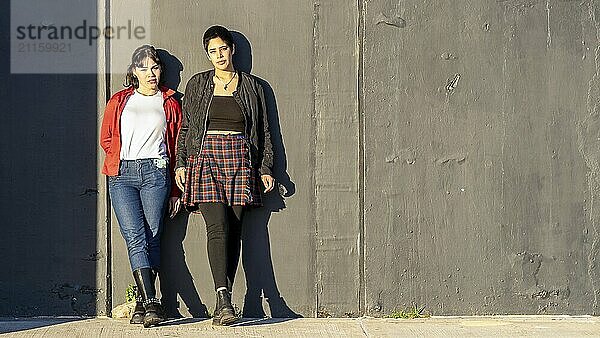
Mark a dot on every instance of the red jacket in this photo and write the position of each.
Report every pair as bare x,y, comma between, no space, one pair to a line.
110,133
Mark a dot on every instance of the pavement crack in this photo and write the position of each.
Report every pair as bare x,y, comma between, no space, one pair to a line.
362,327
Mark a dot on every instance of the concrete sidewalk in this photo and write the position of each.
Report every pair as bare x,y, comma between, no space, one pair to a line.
481,326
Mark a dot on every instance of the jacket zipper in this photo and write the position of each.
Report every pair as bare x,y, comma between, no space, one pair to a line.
236,96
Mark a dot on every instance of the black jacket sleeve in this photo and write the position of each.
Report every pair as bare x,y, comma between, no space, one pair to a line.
182,153
266,167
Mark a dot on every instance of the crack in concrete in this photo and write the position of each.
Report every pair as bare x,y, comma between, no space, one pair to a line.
362,327
395,21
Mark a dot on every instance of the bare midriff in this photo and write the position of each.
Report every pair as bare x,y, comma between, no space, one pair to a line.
223,132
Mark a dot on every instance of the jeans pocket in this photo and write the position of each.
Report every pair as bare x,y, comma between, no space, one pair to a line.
112,180
161,166
163,171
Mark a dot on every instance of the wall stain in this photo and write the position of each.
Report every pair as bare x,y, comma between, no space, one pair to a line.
89,192
544,308
519,4
452,82
457,158
530,266
447,56
407,155
531,263
395,21
558,293
82,297
95,256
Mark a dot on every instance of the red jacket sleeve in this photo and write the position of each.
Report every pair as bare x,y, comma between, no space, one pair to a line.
173,128
107,124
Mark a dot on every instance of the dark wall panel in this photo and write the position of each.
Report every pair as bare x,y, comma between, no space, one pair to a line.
49,190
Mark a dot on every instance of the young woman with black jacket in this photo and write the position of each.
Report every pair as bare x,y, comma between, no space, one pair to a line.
223,153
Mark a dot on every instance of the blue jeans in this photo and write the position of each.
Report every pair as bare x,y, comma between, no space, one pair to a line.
139,197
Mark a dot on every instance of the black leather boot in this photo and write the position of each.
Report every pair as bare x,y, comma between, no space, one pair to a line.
144,279
138,312
224,312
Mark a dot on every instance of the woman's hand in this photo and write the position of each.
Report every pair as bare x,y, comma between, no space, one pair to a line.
180,178
174,206
268,181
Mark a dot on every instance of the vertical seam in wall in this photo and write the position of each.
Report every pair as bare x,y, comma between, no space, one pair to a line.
361,158
313,156
108,221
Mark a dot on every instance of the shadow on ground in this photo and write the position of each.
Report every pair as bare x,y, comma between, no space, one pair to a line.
8,325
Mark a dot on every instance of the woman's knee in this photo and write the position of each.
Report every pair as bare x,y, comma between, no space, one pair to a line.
215,217
217,230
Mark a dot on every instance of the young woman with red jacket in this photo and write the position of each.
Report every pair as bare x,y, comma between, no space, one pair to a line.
138,134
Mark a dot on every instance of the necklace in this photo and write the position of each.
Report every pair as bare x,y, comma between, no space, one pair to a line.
228,82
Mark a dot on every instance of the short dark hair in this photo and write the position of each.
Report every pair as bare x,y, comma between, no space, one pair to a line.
137,59
217,32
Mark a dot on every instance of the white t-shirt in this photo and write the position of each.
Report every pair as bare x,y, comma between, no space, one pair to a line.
143,127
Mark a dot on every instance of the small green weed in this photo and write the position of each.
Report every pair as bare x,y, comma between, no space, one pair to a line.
415,312
130,293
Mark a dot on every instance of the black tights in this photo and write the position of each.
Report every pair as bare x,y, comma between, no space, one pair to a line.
223,233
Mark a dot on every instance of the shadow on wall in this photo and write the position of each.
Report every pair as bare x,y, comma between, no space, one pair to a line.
171,76
256,246
175,277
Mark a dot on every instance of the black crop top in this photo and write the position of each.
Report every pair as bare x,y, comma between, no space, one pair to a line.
225,114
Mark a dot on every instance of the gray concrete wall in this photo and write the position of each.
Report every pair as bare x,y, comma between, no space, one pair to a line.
463,199
442,154
480,198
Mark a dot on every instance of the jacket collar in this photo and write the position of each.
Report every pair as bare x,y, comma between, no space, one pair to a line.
167,92
211,72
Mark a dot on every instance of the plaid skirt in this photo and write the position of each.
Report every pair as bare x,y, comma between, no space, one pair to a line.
221,173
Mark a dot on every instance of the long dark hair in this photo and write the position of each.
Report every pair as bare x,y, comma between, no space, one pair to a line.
137,59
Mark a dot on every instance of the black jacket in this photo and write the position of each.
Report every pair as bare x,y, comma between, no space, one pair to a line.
251,98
